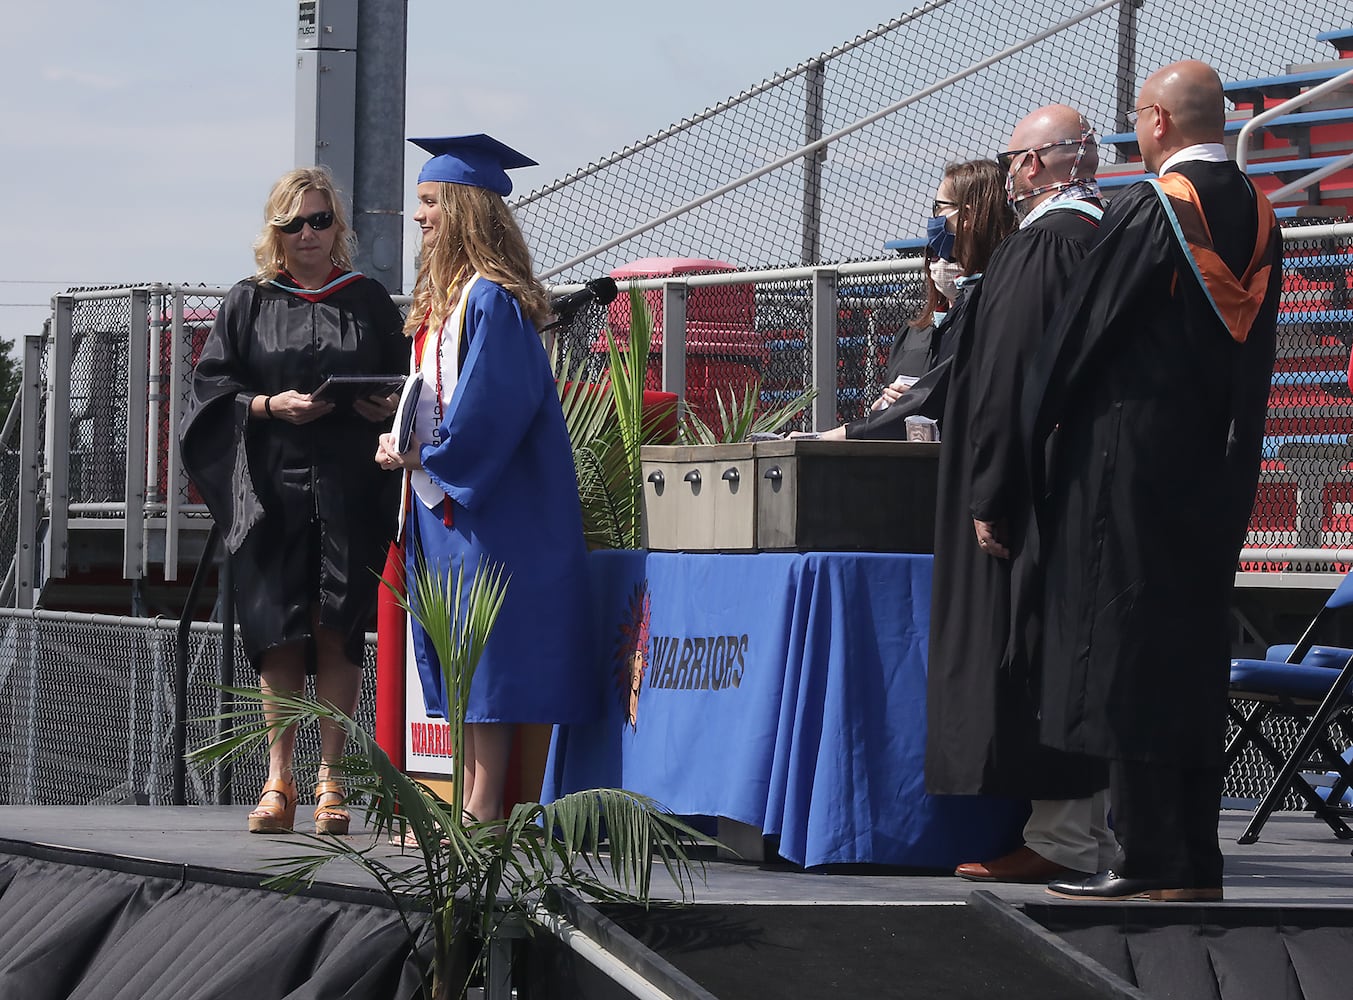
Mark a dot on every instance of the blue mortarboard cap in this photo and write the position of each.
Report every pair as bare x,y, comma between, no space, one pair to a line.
477,160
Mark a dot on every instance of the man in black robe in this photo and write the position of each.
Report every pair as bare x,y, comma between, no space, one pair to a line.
982,726
1156,378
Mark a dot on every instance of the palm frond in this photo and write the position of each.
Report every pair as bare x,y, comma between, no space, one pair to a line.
469,876
605,509
740,419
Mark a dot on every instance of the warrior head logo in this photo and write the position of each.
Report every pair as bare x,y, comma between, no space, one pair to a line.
631,652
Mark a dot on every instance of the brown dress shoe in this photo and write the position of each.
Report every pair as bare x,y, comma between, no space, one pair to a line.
1023,864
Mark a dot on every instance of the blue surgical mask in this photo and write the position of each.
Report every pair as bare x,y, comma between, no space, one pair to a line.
938,238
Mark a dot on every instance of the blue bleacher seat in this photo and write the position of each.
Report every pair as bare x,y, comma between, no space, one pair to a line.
1114,181
1326,377
800,343
1339,260
1318,317
1340,38
1302,120
1305,166
1274,444
905,246
1263,167
1283,85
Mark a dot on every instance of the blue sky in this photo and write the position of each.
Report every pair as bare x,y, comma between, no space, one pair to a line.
140,138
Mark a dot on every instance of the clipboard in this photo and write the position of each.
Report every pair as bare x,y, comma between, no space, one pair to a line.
342,390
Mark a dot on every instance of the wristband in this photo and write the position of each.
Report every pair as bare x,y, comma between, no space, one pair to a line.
267,407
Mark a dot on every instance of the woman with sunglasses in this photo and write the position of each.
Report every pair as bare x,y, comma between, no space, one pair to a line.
288,477
969,218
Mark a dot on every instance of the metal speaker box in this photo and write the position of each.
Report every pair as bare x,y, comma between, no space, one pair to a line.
699,498
791,496
846,496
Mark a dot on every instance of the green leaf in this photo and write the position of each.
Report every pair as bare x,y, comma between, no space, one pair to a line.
471,877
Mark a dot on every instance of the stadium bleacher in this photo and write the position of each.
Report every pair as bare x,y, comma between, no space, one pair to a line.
1305,496
1306,493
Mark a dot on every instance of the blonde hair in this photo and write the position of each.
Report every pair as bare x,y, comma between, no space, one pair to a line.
284,204
476,232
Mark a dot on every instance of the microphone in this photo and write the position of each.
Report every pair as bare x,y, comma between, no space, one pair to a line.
599,290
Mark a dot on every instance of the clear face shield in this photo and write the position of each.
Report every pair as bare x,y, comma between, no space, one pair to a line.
1011,159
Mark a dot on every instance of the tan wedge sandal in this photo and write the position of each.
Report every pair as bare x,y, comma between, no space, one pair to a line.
331,817
268,816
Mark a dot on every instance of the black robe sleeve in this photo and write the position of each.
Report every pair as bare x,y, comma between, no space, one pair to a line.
927,396
1025,280
214,431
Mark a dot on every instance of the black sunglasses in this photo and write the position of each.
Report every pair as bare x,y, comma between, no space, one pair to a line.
319,222
1008,156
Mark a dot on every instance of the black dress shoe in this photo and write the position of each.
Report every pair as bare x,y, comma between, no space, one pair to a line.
1110,885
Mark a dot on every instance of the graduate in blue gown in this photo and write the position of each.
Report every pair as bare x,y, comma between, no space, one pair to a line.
489,472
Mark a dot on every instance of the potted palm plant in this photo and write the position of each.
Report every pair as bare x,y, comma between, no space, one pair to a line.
472,882
608,426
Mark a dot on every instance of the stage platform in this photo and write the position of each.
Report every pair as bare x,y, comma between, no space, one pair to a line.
771,929
1297,861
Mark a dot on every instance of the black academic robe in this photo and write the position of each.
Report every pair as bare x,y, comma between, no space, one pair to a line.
1150,478
926,397
982,735
305,512
913,351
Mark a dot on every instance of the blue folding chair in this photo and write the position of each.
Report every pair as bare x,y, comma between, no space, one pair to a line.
1300,681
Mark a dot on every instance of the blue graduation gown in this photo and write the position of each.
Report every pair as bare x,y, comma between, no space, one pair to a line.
506,464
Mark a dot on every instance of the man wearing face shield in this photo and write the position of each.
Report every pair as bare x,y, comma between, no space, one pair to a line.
982,705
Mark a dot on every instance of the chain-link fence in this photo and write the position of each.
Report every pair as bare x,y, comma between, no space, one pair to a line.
740,332
86,711
1303,513
869,186
87,701
9,498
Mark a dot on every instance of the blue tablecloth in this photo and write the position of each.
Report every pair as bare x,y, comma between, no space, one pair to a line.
783,691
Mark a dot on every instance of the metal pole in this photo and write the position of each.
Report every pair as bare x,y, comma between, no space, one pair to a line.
1126,82
179,379
138,405
58,444
824,348
768,84
827,140
378,168
813,86
179,792
673,338
30,465
225,701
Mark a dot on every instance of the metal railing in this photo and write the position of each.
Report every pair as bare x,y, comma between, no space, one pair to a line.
97,453
87,711
90,713
810,151
1262,120
826,161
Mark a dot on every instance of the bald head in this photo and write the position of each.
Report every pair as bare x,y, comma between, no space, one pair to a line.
1193,106
1048,124
1054,123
